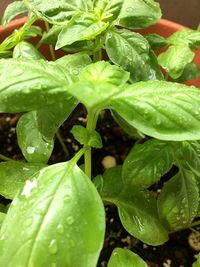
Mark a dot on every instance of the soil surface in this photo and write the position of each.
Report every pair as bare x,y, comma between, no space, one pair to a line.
175,253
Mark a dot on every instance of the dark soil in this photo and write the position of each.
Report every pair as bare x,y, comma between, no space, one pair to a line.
175,253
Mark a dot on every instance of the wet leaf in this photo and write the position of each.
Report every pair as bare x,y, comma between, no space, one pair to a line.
13,176
164,110
26,50
147,163
28,84
137,208
14,9
178,201
137,14
125,258
43,221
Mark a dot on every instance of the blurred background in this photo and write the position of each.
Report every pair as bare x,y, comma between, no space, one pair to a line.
186,12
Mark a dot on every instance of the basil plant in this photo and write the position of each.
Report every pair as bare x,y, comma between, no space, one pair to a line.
56,217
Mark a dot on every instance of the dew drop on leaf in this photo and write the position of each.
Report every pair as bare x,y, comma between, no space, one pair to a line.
60,229
53,247
70,220
28,222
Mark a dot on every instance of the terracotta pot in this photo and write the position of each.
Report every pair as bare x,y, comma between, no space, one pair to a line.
163,27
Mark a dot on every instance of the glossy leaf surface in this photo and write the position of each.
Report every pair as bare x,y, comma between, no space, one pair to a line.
137,14
14,9
137,208
156,41
74,63
186,36
36,130
58,12
26,50
98,83
175,59
85,27
129,50
62,212
147,163
178,201
27,84
13,175
164,110
108,10
125,258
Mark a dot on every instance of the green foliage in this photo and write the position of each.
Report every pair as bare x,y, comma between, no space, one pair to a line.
57,218
147,163
178,201
125,258
13,175
14,9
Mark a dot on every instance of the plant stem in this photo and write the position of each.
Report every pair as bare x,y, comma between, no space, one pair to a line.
91,125
195,224
60,139
79,154
53,56
4,158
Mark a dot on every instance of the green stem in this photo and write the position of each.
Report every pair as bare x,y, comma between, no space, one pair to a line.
4,158
60,139
195,224
53,56
79,154
91,125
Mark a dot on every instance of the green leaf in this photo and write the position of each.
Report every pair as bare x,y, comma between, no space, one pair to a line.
186,36
190,72
13,175
84,137
14,9
27,84
156,41
5,54
108,10
26,50
137,208
178,201
129,50
164,110
125,258
51,37
58,12
103,71
175,59
98,82
147,163
130,130
188,155
62,212
86,27
197,263
75,63
36,130
137,14
2,217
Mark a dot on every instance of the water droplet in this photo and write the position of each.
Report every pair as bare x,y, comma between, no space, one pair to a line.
30,150
66,198
70,220
53,247
29,186
28,222
60,229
